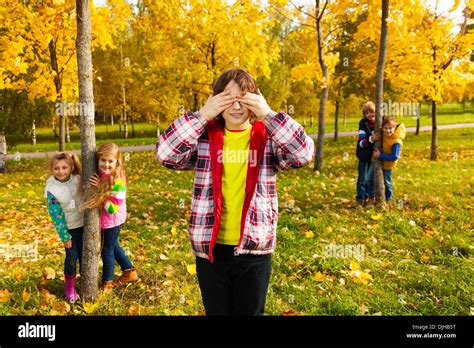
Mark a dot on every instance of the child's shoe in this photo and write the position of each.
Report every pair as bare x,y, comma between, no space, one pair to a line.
370,201
70,290
128,276
107,286
360,203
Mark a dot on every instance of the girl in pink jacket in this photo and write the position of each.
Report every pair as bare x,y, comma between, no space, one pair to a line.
108,191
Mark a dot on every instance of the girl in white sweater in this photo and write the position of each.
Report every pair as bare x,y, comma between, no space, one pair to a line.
64,193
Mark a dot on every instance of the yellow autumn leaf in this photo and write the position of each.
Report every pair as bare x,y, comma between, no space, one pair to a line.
31,193
319,277
328,229
190,302
134,309
376,217
26,296
90,307
4,296
365,277
173,230
61,307
309,235
354,266
191,269
424,258
49,273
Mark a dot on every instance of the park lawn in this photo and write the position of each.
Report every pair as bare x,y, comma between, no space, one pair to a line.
417,257
146,133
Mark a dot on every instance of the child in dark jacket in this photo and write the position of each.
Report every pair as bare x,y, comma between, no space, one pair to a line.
365,147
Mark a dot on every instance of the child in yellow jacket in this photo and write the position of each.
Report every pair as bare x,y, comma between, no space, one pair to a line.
392,143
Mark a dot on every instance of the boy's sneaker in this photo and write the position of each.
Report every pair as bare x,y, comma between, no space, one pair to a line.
360,203
389,204
370,201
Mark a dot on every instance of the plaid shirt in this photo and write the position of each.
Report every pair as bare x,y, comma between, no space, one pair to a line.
188,144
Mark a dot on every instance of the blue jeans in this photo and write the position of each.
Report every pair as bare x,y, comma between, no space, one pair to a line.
111,251
73,254
387,180
365,180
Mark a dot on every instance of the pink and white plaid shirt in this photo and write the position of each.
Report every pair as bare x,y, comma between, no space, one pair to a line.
193,143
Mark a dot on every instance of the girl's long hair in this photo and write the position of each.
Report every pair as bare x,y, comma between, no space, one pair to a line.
98,196
71,158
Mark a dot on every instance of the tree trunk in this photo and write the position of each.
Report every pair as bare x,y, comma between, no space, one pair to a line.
58,86
418,116
62,131
54,128
68,135
90,250
33,134
133,126
3,154
336,120
318,164
195,99
434,132
378,171
345,118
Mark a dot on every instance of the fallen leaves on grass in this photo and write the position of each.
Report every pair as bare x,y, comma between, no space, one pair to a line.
191,269
49,273
4,296
89,307
376,217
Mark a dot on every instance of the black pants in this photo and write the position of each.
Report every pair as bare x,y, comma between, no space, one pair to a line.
233,285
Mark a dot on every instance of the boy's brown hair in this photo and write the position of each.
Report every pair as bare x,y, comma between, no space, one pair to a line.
368,107
389,119
241,77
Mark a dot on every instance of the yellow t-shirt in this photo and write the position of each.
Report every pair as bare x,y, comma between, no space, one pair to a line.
234,176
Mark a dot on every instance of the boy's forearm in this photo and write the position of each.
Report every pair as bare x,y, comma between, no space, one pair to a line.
179,140
296,147
391,157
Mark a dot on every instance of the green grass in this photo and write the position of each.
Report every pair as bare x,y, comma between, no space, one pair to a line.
145,133
419,255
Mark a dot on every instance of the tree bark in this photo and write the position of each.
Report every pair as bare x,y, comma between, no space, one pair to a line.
59,98
33,134
378,171
418,116
318,164
68,135
90,250
434,132
3,154
336,121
